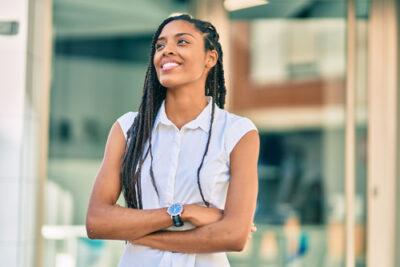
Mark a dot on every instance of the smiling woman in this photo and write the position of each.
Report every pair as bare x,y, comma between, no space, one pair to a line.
187,168
182,38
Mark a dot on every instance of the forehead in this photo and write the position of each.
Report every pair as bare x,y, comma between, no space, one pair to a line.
179,26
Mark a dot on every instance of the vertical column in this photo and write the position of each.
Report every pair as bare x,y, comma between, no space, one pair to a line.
24,92
12,96
397,222
36,137
214,11
350,133
382,139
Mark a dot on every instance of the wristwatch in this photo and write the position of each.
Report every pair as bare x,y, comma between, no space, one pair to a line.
175,211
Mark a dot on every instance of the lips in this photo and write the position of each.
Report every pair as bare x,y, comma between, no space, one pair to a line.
169,64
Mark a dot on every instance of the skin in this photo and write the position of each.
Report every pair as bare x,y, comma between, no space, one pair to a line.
217,230
185,94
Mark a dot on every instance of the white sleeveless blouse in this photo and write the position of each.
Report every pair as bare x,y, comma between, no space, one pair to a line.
177,155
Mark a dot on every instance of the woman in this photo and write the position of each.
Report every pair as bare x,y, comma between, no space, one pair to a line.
187,168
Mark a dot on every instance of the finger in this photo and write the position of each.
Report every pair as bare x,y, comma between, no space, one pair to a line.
253,229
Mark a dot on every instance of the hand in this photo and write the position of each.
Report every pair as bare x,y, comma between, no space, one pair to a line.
253,229
199,215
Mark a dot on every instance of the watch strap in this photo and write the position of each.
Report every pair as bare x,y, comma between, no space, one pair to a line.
177,220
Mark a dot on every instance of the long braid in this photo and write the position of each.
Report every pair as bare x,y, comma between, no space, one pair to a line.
154,94
214,95
215,86
136,136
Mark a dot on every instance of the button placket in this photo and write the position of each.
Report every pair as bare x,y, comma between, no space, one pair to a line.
177,146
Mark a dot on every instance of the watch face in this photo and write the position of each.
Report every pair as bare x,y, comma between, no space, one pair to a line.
175,209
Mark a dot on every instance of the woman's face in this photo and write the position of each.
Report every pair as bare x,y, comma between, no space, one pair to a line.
180,58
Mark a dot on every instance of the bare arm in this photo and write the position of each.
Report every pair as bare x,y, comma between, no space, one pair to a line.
231,232
106,220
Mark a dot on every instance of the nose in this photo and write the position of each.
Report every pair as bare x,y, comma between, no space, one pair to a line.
168,50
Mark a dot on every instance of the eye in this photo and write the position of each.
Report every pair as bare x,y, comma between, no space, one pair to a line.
183,40
158,46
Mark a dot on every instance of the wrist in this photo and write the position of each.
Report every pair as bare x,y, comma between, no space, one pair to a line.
186,213
175,211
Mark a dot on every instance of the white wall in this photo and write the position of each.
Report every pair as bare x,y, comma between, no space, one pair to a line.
24,83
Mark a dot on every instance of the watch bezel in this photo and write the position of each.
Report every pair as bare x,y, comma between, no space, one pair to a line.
176,213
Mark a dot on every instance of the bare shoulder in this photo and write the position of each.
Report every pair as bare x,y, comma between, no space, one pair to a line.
246,151
107,186
115,145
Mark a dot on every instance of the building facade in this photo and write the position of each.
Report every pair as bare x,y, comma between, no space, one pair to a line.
318,78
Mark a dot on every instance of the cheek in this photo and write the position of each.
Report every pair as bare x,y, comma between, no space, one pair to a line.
156,61
196,63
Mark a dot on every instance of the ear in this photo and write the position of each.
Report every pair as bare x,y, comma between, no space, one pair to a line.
211,58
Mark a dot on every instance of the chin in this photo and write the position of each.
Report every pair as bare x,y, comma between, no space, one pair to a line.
168,83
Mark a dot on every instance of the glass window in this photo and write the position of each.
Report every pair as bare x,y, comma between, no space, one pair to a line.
100,57
289,76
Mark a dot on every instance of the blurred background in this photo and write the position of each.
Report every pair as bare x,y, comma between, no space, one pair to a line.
317,77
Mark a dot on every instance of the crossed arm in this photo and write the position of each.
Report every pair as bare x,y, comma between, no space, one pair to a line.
215,231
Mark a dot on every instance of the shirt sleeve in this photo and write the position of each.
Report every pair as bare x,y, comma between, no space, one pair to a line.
126,120
236,131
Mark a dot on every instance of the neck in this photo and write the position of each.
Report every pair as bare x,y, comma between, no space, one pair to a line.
183,106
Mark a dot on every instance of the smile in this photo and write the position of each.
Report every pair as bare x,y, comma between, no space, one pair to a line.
169,66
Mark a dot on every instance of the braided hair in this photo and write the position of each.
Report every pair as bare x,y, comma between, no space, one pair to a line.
153,95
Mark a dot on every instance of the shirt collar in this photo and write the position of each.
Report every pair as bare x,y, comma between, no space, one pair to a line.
202,120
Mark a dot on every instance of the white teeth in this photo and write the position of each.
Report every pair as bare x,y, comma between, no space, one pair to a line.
169,64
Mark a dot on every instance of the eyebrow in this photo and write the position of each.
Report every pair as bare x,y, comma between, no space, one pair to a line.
177,35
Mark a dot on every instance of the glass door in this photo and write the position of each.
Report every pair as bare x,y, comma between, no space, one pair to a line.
100,59
290,67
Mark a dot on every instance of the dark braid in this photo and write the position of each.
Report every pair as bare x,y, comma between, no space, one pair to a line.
154,93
